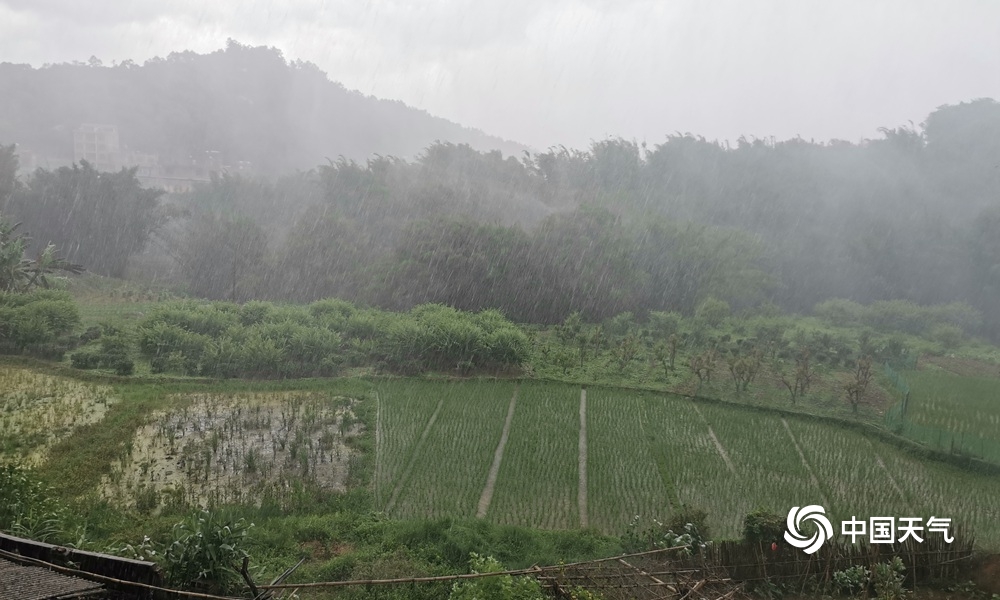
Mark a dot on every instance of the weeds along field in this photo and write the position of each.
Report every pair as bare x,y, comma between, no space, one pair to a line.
648,454
213,449
37,410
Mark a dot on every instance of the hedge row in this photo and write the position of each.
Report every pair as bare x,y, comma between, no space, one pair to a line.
264,340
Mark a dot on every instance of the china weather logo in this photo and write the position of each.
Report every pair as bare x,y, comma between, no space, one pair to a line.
817,515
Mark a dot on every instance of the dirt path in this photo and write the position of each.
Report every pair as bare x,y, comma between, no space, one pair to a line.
413,459
491,479
889,476
581,493
378,449
718,444
805,463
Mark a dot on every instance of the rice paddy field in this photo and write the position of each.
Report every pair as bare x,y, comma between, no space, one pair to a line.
952,411
38,409
647,454
538,454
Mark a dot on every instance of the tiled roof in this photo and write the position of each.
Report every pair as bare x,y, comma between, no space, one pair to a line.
35,583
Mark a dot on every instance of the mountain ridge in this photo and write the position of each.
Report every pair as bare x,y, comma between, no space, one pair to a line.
246,103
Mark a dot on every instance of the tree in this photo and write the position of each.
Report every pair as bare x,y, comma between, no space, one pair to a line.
798,383
224,258
19,274
98,219
857,388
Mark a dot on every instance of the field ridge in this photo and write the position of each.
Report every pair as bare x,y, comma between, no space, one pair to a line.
718,444
582,485
491,479
413,459
805,463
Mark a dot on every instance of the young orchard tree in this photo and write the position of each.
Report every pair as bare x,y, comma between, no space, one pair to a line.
627,349
744,367
798,383
857,388
702,365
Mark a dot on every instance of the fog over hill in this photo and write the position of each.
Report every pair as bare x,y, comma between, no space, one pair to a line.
243,103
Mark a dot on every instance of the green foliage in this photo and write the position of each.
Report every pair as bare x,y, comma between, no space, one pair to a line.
712,311
28,508
840,312
852,580
949,336
886,579
37,322
663,324
687,527
763,527
501,587
101,219
205,552
620,325
901,316
262,340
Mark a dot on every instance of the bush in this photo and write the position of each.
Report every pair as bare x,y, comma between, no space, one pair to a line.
27,507
39,323
763,527
852,580
664,324
687,527
86,359
502,587
712,311
948,336
839,312
203,551
619,325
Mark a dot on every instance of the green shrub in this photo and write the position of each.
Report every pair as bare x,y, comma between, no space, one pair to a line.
28,508
619,325
763,527
852,580
712,311
664,324
502,587
204,549
839,312
87,358
949,336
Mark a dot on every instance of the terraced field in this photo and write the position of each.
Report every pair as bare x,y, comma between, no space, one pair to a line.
532,453
948,410
647,454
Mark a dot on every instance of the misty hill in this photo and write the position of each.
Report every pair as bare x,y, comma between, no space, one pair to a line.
246,103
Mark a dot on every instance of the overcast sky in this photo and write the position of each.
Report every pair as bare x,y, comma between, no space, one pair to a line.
568,71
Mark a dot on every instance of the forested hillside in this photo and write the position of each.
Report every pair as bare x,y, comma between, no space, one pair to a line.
246,103
912,215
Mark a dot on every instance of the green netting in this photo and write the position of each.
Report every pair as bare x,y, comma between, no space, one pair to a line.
947,441
897,381
940,439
